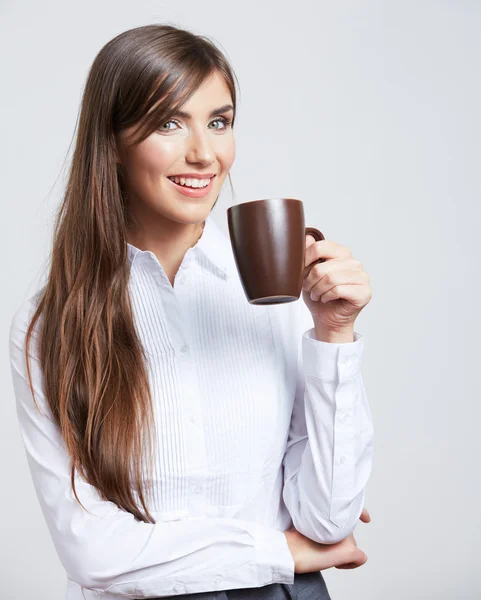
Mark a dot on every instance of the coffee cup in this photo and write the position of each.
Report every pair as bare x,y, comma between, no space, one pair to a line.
268,243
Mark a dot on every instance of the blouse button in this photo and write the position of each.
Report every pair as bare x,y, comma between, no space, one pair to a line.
179,587
219,579
184,348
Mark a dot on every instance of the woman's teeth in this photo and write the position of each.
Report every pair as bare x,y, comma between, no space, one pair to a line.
193,183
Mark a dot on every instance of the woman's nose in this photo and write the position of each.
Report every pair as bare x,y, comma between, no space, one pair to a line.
200,148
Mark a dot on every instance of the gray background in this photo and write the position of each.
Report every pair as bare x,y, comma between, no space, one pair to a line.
370,113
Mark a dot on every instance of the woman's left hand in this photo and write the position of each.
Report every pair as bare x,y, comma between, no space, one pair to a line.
336,290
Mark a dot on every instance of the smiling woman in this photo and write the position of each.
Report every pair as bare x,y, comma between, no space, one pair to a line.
179,472
188,156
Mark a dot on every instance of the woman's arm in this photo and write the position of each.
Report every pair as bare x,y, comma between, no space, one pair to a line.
329,450
107,549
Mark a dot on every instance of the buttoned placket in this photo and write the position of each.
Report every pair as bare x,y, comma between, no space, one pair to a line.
176,304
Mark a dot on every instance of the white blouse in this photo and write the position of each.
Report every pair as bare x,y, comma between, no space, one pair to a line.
260,427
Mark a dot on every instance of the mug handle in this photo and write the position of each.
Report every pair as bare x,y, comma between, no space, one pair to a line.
317,235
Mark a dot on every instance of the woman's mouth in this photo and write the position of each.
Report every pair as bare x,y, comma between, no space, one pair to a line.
184,186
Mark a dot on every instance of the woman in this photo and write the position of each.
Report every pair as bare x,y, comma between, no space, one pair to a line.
172,454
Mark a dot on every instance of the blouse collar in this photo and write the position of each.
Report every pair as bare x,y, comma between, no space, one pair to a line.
212,244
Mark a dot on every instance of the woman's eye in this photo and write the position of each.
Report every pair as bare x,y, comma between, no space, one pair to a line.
166,123
225,122
222,120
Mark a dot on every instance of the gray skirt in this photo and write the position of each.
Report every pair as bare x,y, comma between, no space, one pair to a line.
306,586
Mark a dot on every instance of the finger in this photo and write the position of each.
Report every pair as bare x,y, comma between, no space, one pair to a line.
324,249
338,277
357,560
365,516
356,293
314,272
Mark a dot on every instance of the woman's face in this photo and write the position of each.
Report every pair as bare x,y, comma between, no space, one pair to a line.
200,142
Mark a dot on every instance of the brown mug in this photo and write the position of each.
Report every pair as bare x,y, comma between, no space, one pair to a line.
268,241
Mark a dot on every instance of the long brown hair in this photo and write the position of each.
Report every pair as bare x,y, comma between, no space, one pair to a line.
93,363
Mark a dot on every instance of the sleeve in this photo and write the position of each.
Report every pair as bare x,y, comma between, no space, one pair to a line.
328,457
106,548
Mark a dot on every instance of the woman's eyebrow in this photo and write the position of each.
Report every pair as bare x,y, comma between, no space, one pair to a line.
216,111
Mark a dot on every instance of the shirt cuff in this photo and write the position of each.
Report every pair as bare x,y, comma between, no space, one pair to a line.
330,360
274,559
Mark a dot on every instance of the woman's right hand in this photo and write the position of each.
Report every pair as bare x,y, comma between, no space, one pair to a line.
311,556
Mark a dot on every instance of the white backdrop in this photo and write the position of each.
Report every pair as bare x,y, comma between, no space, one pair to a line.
368,112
